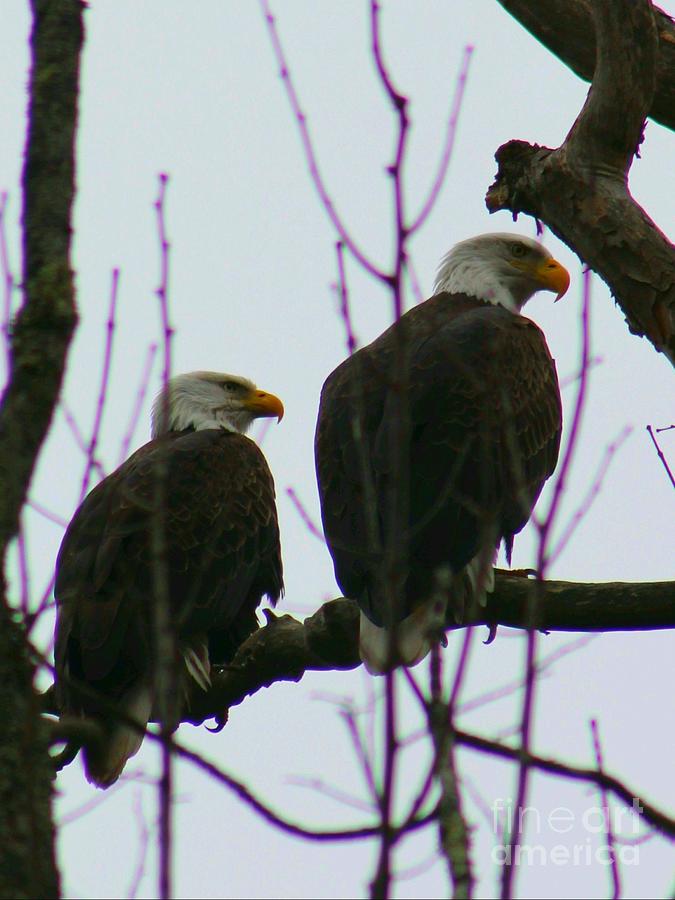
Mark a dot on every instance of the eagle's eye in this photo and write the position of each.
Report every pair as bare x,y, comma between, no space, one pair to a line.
518,250
232,386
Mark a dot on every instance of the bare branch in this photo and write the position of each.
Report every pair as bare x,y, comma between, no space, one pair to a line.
663,823
308,147
580,190
659,452
449,144
565,27
609,832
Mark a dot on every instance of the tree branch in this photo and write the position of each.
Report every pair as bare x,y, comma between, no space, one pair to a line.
580,190
565,27
44,327
40,337
328,640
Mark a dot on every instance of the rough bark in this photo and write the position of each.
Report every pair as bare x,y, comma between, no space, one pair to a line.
40,338
580,190
328,640
565,27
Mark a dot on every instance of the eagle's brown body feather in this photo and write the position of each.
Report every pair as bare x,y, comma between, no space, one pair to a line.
483,436
222,557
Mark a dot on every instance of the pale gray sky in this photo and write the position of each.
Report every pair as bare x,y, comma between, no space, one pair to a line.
193,90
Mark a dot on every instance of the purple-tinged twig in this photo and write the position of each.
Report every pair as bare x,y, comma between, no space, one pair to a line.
322,787
134,419
659,451
93,803
543,557
567,380
262,431
165,674
449,143
665,428
308,147
143,846
80,440
609,832
399,103
414,871
413,280
360,749
103,388
591,495
163,288
544,527
311,526
24,577
460,672
511,687
343,297
7,277
47,513
381,883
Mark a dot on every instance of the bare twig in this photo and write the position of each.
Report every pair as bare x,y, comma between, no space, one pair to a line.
591,494
143,846
311,526
103,389
543,558
343,295
609,832
143,385
659,451
80,440
165,675
308,147
448,146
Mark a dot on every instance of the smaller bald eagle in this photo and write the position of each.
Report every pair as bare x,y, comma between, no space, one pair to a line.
482,414
222,557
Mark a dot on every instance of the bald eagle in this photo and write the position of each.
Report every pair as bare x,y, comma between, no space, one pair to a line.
471,386
221,548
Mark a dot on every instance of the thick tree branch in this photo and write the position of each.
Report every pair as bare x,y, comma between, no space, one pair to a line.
40,338
328,640
43,328
580,190
565,27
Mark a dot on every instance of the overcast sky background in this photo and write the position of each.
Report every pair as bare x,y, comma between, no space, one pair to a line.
193,90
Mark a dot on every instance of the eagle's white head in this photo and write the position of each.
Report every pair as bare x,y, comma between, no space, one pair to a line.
201,400
501,268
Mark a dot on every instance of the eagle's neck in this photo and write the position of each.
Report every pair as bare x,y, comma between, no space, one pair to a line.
473,277
184,414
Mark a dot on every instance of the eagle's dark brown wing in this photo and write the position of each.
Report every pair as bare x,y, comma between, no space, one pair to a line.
484,433
222,557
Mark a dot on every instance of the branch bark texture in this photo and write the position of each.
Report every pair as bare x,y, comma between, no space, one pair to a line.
40,338
580,190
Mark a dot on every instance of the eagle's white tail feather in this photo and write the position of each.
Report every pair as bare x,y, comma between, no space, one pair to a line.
481,574
414,634
105,762
197,663
413,639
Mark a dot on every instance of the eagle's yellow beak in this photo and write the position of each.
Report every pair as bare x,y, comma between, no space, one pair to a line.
263,405
552,276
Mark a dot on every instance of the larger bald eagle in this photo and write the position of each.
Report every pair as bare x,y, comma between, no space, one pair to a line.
222,556
471,385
